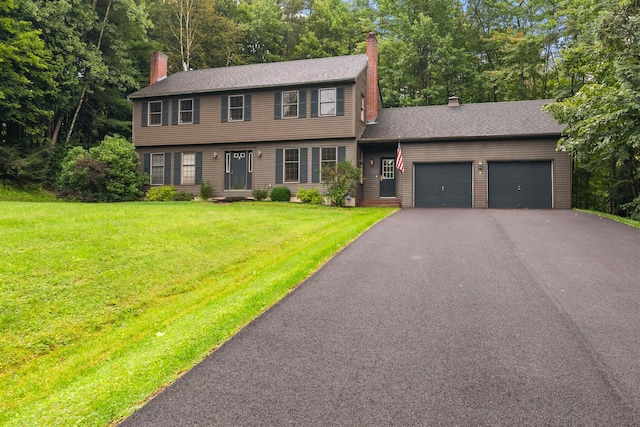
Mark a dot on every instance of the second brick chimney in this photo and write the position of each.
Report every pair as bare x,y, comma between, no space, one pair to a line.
158,67
373,94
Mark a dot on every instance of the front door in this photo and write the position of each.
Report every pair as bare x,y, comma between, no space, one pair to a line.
238,170
388,177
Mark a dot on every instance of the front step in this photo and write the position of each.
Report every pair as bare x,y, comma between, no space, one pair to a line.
380,203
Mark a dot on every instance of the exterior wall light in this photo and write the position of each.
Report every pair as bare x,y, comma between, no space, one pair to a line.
259,153
371,162
215,155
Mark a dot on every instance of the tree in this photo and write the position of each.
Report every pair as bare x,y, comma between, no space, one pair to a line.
106,173
26,83
603,116
340,180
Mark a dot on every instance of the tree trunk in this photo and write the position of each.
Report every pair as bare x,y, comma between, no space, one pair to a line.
56,129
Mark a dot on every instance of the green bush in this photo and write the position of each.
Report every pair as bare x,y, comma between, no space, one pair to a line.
281,194
633,209
312,196
106,173
164,193
167,193
340,180
206,190
260,194
182,196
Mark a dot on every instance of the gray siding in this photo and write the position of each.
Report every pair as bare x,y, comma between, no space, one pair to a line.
264,166
472,152
360,90
262,127
487,151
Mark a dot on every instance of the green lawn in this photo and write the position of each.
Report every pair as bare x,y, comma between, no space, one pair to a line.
627,221
103,304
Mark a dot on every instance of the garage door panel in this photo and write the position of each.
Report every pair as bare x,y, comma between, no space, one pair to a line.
516,185
443,185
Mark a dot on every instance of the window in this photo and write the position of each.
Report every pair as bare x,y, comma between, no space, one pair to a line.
189,168
186,111
328,158
388,168
155,113
157,169
291,165
327,102
362,104
236,108
290,104
250,161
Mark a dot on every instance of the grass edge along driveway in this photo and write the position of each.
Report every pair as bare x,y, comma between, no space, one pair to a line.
240,259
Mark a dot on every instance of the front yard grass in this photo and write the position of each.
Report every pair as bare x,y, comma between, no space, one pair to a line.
627,221
103,304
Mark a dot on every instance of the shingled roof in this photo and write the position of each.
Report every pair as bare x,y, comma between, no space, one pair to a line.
468,121
255,76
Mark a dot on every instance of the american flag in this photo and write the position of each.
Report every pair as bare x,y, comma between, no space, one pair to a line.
399,163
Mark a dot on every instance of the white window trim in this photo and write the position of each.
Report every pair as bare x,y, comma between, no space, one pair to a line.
149,113
321,161
284,166
362,108
297,104
180,122
182,178
229,118
335,102
392,169
227,162
151,168
250,165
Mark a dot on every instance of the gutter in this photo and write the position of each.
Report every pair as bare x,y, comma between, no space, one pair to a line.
460,138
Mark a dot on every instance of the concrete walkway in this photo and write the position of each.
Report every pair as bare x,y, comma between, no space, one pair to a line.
442,318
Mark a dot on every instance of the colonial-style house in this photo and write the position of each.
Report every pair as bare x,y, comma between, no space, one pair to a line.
266,125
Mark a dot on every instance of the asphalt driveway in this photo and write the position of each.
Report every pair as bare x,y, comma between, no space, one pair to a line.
443,318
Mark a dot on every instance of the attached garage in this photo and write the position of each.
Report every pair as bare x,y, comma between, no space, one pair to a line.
446,185
520,185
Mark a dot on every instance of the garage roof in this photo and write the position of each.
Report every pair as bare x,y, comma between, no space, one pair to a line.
467,121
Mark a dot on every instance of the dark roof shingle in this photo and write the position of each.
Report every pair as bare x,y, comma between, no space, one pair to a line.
492,119
274,74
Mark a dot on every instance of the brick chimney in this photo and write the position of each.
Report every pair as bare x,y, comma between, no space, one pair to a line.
158,67
373,94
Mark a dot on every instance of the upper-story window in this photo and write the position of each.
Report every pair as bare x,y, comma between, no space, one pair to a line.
362,106
186,111
327,102
155,113
236,108
290,104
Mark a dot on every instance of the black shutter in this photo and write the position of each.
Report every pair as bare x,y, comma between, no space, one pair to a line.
196,111
177,162
279,165
314,103
147,164
342,153
277,106
225,109
315,164
302,104
247,107
167,168
198,167
165,112
340,101
145,114
303,165
174,112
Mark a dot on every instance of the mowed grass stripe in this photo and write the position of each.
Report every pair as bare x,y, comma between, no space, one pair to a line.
141,292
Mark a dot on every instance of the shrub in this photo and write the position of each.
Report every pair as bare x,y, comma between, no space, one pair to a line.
182,196
340,180
105,173
312,196
163,193
206,190
633,209
260,194
281,194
